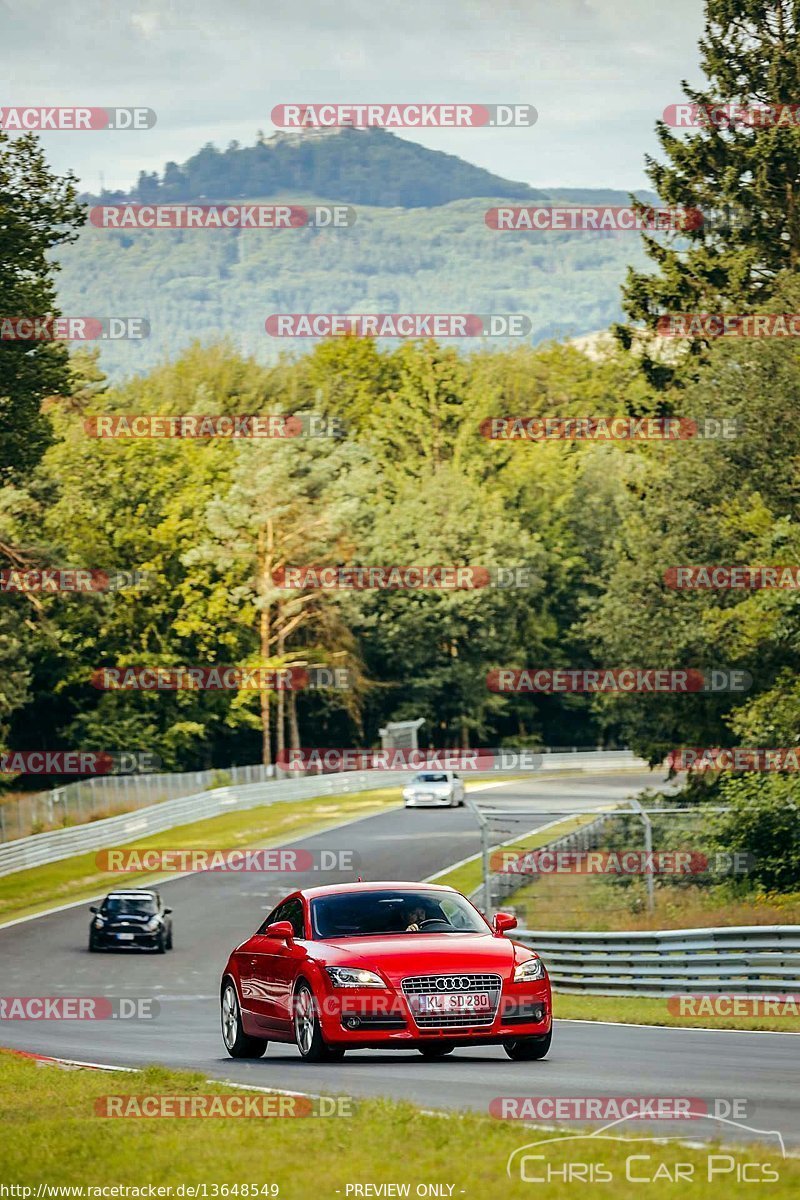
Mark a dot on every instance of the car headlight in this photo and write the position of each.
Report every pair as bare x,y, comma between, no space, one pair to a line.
353,977
99,922
151,925
532,969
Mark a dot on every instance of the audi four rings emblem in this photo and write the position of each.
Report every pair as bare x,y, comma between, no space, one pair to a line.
453,983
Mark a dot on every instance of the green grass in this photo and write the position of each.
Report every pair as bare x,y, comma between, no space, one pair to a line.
78,878
651,1010
469,875
52,1136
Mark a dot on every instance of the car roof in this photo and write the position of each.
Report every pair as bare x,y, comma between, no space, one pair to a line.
334,889
132,894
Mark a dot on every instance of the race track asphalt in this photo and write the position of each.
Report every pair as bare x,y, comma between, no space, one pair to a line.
213,912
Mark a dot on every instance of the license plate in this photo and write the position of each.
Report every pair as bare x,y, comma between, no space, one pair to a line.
425,797
453,1002
125,937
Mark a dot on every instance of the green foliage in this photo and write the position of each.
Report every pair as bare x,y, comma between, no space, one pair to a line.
37,213
743,178
763,821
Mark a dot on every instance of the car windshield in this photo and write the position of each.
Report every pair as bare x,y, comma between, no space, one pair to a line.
379,913
430,777
129,905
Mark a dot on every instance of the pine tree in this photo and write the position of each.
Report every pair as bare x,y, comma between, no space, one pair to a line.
743,176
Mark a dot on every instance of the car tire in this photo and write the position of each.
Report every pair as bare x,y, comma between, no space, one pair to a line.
437,1049
93,946
169,939
161,943
528,1049
237,1042
308,1030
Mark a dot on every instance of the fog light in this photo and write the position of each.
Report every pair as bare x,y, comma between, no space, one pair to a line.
353,1022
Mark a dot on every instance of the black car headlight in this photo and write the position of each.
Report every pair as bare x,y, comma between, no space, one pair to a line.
530,970
347,977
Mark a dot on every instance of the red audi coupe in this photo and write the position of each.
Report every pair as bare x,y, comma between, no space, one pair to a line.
402,966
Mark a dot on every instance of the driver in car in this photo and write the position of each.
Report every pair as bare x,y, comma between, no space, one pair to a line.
415,917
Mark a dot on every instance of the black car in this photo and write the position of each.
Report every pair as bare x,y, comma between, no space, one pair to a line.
131,917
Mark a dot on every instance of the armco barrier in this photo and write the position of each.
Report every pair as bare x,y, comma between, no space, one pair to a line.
43,848
740,959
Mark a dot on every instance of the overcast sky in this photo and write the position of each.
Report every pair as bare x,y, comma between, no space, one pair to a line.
598,71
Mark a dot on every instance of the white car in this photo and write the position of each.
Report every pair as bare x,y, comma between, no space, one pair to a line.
434,789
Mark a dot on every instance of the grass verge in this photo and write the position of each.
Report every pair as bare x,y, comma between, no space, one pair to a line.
652,1010
53,1137
78,878
469,875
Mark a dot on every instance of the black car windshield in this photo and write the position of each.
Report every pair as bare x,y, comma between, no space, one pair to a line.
379,913
129,905
431,777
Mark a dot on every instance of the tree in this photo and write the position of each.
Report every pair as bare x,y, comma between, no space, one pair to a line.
744,178
38,212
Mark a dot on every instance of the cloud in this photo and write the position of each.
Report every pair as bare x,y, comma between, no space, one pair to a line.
599,72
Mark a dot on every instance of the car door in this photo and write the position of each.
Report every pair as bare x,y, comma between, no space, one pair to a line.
274,966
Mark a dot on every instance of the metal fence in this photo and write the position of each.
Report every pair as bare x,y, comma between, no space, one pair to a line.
115,831
106,795
739,959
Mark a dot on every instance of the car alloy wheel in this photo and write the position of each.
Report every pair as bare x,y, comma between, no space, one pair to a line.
307,1029
237,1042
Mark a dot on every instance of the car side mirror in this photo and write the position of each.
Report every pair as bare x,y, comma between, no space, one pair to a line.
93,908
503,922
167,911
282,930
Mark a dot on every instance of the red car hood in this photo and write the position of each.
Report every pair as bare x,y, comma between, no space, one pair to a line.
400,955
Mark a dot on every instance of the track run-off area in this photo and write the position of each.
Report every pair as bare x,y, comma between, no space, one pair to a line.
47,955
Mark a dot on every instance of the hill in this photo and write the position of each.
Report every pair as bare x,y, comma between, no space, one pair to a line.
417,246
356,166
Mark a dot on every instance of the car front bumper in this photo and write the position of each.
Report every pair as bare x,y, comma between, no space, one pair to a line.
428,800
362,1017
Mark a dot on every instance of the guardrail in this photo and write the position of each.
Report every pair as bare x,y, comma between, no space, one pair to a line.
43,848
739,959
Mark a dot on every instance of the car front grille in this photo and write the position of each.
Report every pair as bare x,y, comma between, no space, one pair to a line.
465,981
